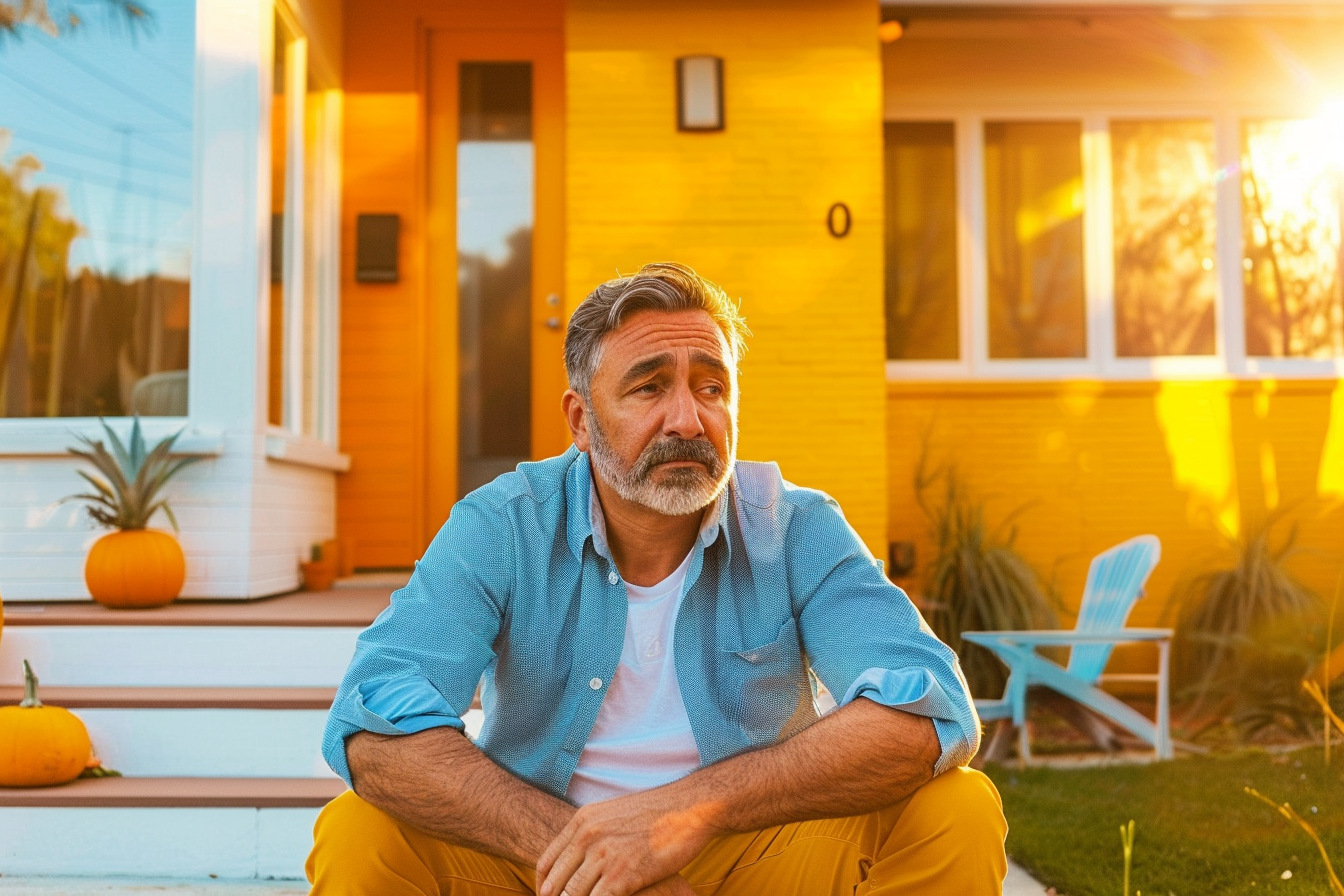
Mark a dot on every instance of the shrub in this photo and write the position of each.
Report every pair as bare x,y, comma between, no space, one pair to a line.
977,581
1246,635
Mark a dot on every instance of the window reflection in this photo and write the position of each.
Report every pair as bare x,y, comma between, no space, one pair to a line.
1165,287
1291,210
275,380
95,219
921,238
494,269
1034,239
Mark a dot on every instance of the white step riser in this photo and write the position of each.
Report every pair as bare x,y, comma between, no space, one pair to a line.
178,656
215,743
228,843
209,743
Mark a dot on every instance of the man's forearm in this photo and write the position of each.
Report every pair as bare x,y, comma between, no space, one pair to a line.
441,783
862,757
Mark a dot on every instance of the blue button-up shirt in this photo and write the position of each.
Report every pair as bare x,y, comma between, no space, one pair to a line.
519,593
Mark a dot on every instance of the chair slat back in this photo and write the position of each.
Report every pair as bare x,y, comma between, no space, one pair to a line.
1115,581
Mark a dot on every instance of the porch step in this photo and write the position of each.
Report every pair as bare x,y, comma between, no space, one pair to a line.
345,606
158,656
177,793
171,827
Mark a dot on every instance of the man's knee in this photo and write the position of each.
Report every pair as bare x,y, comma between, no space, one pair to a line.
960,801
345,830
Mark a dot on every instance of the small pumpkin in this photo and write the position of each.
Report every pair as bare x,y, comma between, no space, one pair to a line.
40,745
135,568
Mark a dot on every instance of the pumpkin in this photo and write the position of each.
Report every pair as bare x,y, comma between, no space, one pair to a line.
40,745
135,568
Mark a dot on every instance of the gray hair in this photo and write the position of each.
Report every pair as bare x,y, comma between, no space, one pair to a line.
663,286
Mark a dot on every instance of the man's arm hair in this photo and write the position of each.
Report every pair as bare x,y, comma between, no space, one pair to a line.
440,782
859,758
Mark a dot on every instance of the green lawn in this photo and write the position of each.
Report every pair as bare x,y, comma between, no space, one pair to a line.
1197,832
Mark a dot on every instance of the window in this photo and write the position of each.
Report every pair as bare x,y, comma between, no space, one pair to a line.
305,184
1291,175
921,239
1092,246
96,217
1162,218
1034,239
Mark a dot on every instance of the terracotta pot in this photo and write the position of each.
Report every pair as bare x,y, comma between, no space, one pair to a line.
318,576
135,568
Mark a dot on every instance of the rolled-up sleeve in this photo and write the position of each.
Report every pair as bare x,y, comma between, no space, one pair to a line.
864,638
418,665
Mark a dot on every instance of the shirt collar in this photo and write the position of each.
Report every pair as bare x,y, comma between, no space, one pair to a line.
585,519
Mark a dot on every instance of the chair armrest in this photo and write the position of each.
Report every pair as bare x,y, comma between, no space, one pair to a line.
1045,638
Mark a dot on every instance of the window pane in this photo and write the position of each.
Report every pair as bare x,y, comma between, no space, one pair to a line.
494,269
1291,173
921,241
95,217
275,391
1165,285
1034,239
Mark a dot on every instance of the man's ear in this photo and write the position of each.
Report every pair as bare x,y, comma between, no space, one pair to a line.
576,415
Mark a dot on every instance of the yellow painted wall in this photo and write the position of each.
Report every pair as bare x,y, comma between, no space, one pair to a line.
747,207
1099,463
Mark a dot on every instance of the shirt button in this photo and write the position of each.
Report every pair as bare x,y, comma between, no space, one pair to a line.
595,684
612,577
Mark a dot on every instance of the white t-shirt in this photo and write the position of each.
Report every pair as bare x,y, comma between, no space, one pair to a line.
642,738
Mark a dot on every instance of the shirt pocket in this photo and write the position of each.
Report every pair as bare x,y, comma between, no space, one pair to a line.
761,684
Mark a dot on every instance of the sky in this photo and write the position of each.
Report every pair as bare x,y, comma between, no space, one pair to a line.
108,111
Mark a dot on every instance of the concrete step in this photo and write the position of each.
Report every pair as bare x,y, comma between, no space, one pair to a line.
177,656
171,827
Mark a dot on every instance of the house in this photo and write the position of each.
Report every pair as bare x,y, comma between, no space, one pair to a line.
1089,251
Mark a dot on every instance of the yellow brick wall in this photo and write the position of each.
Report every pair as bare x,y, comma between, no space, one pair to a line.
747,207
1099,463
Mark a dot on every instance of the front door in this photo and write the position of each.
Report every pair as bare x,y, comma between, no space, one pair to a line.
495,258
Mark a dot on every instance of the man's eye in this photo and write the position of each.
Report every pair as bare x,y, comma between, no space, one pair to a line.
648,388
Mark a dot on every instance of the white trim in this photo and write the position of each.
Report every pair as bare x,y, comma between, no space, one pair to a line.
1230,360
37,436
290,447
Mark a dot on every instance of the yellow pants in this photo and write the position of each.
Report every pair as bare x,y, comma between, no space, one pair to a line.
944,840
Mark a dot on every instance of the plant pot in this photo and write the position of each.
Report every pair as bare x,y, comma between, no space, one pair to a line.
135,568
318,576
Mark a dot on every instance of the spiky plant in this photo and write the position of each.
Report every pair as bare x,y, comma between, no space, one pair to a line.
978,581
126,496
1246,634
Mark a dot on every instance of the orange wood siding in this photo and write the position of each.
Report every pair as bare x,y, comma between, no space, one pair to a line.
384,343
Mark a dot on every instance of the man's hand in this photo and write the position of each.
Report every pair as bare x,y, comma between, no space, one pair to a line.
861,757
631,845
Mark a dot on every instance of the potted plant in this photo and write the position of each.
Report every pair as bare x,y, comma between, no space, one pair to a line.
133,566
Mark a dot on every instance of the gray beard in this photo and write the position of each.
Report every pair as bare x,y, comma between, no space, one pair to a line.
683,491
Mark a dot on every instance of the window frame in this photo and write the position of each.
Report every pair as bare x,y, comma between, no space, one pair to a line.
311,262
1102,363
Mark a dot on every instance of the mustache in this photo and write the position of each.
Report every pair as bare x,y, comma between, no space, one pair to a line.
672,449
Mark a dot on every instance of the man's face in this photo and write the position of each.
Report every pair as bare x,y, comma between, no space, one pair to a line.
662,423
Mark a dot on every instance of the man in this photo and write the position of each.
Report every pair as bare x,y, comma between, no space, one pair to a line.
648,615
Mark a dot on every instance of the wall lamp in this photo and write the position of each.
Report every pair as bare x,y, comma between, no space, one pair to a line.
700,93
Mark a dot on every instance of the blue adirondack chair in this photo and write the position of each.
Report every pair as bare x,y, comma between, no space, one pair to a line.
1115,581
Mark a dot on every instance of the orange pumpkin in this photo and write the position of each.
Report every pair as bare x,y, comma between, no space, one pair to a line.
135,568
40,745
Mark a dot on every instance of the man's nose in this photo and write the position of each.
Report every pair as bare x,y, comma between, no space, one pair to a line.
683,416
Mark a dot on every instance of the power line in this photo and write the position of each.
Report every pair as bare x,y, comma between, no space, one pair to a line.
61,145
115,83
122,186
94,117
